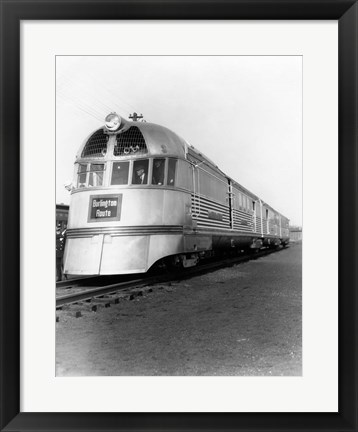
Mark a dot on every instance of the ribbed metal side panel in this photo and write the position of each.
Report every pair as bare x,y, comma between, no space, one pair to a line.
124,231
201,207
258,225
271,229
243,221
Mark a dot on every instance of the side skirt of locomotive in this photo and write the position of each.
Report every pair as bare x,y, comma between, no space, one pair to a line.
203,244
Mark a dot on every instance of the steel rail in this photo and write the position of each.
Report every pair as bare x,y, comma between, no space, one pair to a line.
76,281
98,291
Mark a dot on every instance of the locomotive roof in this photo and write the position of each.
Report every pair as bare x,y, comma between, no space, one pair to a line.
159,141
164,142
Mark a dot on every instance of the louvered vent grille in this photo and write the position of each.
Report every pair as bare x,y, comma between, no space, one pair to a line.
96,145
129,142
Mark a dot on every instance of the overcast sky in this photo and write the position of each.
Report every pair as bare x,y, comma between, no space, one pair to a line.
243,112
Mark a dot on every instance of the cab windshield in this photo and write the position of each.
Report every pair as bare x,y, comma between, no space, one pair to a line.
120,173
158,172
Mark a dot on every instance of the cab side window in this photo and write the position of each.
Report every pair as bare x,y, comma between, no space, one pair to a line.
96,174
82,175
90,175
158,172
172,163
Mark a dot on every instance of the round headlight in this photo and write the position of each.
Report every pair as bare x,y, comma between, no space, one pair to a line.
112,122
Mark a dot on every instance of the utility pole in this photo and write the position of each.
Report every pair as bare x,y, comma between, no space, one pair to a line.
135,116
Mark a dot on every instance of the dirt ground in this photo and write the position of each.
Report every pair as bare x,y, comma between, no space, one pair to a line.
243,320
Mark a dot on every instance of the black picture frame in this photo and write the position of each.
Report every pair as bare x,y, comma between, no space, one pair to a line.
12,12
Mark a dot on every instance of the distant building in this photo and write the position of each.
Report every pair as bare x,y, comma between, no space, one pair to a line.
61,216
295,233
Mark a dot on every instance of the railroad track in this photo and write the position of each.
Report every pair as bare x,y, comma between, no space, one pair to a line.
74,281
90,281
91,298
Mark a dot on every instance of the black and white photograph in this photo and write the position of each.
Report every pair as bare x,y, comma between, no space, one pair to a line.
179,215
199,163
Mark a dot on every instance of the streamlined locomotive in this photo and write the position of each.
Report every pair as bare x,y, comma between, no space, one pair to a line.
142,195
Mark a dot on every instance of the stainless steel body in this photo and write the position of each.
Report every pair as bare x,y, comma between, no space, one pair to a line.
142,193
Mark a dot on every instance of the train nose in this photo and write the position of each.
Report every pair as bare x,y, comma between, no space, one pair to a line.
106,254
124,254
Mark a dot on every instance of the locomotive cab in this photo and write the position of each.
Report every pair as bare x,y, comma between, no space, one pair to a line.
128,200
